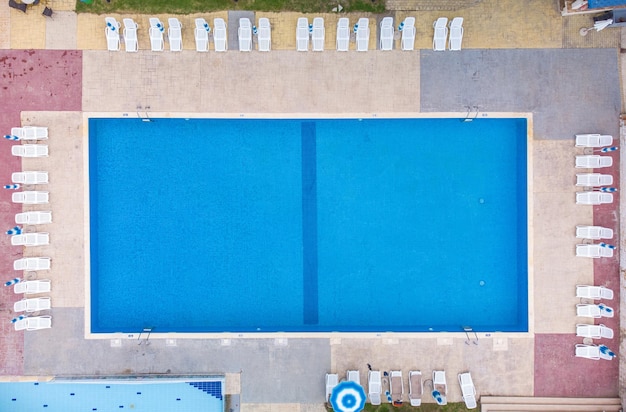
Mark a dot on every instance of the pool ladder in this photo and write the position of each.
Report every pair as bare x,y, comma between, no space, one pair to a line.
472,113
467,330
145,117
147,330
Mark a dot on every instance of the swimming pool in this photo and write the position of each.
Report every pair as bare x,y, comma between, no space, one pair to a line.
155,395
308,225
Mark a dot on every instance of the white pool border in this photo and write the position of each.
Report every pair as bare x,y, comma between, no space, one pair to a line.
117,337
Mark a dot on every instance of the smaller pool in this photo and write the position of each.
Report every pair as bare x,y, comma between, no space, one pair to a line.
100,395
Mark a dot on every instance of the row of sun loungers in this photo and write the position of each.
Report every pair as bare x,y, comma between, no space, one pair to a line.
395,395
599,193
314,33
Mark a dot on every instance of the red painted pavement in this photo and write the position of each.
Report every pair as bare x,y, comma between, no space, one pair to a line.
557,371
29,80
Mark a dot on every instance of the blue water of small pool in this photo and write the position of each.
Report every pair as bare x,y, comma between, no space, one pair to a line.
113,395
240,225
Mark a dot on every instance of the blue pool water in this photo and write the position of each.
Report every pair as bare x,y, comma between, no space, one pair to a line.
101,395
308,225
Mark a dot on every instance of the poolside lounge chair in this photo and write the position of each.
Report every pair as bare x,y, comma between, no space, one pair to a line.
408,34
302,34
456,34
32,305
375,387
30,150
244,33
130,35
363,34
416,386
30,132
30,197
593,251
156,34
34,323
343,34
441,32
593,161
31,239
32,263
30,178
175,34
112,32
593,140
201,34
468,390
33,218
593,198
331,381
440,387
353,376
587,310
396,387
588,352
593,292
593,179
386,33
318,35
31,287
264,35
593,232
594,331
219,35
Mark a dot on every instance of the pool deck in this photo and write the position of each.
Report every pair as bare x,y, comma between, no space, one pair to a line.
54,70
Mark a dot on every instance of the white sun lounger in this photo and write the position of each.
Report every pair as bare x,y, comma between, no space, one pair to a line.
30,132
112,33
343,34
30,197
175,34
593,251
593,140
363,34
302,34
156,34
264,35
354,376
32,305
593,198
456,34
593,179
219,35
31,287
416,386
244,33
587,310
130,35
201,35
408,34
593,232
386,33
588,352
33,218
468,390
594,331
440,386
31,239
331,381
441,33
34,323
32,263
318,35
30,150
593,292
30,178
396,387
375,387
593,161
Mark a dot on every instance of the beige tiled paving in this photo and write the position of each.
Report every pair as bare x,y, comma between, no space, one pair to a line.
28,30
57,30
